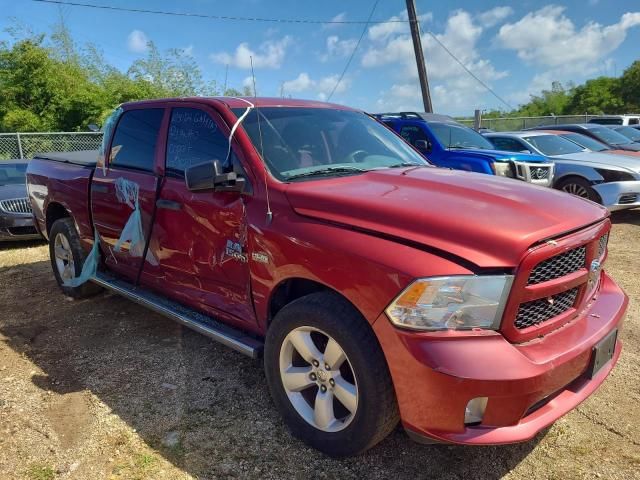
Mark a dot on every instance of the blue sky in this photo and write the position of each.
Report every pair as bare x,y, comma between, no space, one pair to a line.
517,48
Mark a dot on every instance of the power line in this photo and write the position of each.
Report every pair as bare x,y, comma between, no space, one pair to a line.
346,67
469,71
221,17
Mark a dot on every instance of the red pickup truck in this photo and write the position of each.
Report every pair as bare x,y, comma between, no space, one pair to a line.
378,288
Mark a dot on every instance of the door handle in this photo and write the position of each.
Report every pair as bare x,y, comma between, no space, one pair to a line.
99,188
168,204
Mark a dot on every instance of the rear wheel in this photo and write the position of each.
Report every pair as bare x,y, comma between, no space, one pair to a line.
328,376
579,187
67,258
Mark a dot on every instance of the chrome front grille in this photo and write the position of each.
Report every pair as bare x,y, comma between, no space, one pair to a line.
15,205
541,310
558,266
537,173
602,244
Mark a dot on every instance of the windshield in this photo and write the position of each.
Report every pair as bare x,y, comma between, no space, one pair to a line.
609,136
300,142
586,142
12,173
553,145
629,132
458,136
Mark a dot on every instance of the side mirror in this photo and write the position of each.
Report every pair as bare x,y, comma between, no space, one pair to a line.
210,176
423,145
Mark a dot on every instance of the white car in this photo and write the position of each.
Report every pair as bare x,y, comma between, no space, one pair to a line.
629,119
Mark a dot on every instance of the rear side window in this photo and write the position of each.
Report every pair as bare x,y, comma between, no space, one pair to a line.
194,137
508,144
134,143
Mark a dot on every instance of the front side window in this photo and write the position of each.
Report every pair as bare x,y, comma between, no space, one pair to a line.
135,138
553,145
297,142
412,134
193,138
631,133
454,136
508,144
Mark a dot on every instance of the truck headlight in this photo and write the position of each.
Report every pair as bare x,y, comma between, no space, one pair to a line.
459,302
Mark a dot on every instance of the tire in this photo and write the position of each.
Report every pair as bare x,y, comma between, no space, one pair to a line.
579,187
64,231
325,317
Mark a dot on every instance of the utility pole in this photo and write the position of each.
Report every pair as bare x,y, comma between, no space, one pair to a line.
417,48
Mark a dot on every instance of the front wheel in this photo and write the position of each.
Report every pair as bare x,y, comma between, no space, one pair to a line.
328,376
580,188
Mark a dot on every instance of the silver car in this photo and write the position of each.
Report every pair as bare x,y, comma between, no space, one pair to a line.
611,180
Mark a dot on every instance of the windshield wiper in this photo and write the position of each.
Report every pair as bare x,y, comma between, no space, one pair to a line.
406,164
327,171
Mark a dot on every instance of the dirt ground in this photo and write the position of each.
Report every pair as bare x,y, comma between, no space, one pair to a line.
102,388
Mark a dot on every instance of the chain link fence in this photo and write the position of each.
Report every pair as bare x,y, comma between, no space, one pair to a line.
508,124
26,145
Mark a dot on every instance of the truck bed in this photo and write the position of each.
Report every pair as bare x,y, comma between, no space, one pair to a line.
81,157
62,181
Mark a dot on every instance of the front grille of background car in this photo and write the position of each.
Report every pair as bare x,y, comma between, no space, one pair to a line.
628,198
558,266
15,205
540,310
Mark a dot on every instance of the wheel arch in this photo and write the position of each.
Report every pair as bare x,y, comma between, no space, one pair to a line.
55,211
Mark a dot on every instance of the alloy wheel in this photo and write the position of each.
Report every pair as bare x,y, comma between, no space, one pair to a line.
318,379
64,257
575,189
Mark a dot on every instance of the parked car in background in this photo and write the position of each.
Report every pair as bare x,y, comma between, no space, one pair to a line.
601,133
590,143
449,144
628,119
631,133
611,180
377,287
16,220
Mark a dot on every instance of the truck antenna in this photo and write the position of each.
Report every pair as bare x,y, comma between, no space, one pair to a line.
266,185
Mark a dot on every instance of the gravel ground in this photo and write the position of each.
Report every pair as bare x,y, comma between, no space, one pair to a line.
102,388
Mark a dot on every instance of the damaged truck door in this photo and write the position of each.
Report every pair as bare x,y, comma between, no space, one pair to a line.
199,237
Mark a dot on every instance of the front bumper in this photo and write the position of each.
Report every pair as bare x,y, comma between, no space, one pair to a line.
17,227
619,195
529,385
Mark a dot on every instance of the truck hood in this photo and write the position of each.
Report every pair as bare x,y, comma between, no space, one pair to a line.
601,159
486,220
502,156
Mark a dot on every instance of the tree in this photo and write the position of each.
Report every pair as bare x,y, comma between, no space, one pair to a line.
630,87
598,96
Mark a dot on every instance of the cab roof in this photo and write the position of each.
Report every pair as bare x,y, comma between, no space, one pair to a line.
243,102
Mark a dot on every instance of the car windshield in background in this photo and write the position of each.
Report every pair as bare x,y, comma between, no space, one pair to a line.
586,142
12,173
299,143
609,136
629,132
553,145
459,136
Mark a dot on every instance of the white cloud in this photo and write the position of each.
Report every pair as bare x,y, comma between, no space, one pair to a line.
322,87
453,89
338,48
548,38
137,41
270,54
248,83
494,16
341,17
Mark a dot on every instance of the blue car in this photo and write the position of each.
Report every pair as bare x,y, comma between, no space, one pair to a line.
449,144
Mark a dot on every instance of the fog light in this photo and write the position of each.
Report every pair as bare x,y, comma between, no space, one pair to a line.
475,410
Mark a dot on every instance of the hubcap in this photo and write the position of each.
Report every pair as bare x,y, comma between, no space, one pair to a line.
318,379
64,257
575,189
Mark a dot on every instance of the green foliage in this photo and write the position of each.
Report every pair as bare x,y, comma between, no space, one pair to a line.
630,87
52,84
600,96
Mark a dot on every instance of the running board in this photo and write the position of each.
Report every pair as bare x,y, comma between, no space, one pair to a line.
229,336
